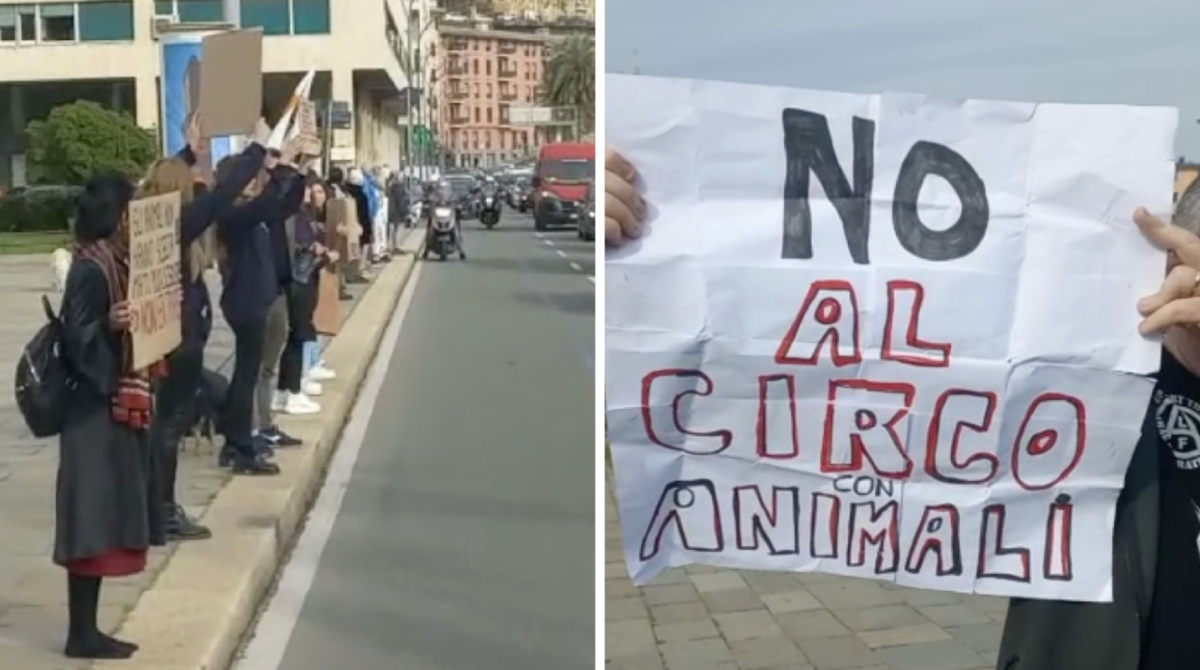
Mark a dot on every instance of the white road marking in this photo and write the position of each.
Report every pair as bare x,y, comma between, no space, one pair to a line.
562,254
274,629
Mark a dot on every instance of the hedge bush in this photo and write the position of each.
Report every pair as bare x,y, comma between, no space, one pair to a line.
38,208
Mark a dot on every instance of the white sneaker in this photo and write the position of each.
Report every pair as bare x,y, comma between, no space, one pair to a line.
298,404
279,401
320,373
311,388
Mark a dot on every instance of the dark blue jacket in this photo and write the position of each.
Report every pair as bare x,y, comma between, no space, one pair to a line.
292,185
250,282
206,207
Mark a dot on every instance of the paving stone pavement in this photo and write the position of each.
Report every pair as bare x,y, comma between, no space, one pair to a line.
32,589
703,618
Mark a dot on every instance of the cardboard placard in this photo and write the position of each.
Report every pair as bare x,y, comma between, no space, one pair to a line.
327,319
231,83
342,229
154,278
306,125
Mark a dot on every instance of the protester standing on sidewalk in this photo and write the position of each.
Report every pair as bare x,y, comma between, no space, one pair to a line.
250,288
397,209
104,520
352,187
291,181
308,255
176,393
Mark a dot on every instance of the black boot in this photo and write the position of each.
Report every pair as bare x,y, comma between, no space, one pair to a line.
181,527
84,639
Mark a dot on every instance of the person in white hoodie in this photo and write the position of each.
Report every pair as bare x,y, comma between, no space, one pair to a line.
381,247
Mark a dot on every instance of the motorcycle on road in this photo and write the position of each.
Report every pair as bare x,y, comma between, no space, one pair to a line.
489,207
442,238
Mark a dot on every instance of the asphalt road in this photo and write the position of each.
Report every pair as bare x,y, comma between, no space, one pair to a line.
466,537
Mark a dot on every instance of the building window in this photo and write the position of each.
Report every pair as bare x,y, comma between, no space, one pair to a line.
58,22
476,115
310,17
109,21
273,16
27,23
489,114
488,67
475,66
198,11
8,24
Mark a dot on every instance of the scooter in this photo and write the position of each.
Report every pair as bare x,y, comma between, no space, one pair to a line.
443,235
489,210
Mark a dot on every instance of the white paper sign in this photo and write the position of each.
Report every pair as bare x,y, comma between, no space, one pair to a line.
881,336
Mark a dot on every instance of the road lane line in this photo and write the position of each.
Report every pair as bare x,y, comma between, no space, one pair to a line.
561,253
576,267
274,629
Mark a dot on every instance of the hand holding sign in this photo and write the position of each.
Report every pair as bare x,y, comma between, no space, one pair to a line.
623,207
1177,303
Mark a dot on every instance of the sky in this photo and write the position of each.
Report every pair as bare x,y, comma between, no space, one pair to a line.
1102,51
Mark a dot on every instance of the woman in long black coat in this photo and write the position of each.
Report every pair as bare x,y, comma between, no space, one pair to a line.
104,520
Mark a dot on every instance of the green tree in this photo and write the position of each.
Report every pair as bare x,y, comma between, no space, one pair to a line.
570,79
80,139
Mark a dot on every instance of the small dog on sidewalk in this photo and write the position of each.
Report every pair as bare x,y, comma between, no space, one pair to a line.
60,265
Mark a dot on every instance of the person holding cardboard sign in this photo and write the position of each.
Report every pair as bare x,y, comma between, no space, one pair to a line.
1149,623
177,391
250,287
103,522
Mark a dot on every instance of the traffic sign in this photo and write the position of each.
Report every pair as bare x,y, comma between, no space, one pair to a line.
422,137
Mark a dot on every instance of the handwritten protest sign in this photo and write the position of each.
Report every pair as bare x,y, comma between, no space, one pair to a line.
881,336
306,126
154,277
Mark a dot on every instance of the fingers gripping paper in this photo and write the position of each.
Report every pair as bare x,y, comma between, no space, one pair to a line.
881,336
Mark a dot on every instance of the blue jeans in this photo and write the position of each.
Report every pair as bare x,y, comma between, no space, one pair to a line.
312,356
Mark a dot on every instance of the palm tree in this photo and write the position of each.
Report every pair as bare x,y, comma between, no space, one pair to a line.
570,79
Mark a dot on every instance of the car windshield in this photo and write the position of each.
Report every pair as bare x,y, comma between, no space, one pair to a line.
566,170
490,188
460,187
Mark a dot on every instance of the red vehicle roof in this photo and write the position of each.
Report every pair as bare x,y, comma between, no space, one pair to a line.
568,150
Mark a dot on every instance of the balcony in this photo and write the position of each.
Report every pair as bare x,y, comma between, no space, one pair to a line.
456,68
459,120
508,70
459,94
507,48
458,44
508,94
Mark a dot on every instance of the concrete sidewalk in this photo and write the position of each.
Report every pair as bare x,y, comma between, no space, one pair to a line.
32,590
701,618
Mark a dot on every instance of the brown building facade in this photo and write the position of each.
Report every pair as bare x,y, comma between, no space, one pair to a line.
482,75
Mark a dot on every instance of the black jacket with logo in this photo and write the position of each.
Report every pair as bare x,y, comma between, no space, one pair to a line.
1156,561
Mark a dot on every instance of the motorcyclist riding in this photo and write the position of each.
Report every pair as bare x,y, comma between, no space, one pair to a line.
441,195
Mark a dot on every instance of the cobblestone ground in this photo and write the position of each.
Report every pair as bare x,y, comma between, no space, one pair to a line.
32,590
701,618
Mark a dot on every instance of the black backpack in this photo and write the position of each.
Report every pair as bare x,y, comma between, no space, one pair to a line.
43,383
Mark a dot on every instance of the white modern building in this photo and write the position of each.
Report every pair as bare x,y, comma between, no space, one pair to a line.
57,51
